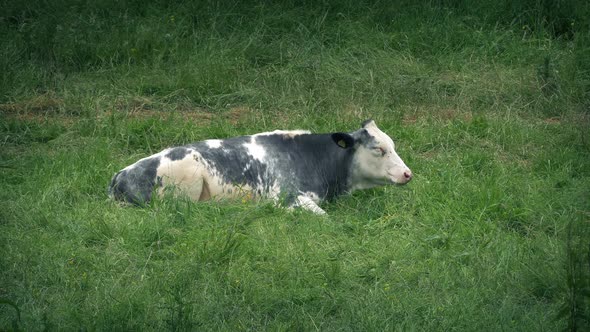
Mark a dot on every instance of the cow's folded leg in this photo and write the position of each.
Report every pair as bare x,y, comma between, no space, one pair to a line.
307,203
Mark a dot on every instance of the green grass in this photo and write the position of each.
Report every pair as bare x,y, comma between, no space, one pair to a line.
488,105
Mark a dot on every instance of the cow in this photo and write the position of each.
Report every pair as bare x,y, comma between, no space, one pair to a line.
296,168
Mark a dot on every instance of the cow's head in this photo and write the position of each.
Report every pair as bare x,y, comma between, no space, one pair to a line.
375,161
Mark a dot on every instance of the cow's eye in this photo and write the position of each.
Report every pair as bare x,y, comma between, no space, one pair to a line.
380,150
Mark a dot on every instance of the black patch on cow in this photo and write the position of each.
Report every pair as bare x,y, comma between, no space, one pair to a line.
309,163
135,185
177,153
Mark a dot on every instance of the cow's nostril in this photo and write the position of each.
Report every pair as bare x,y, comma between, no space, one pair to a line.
408,174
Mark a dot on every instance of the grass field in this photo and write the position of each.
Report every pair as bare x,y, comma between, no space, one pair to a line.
488,104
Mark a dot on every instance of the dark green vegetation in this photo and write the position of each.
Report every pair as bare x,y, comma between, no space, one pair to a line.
488,104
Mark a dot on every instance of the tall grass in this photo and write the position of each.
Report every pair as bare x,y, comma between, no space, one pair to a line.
487,102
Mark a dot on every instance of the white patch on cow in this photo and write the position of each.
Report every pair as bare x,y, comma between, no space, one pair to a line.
213,186
213,143
185,175
195,177
285,133
256,151
378,163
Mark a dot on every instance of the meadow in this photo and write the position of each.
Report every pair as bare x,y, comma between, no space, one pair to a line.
488,104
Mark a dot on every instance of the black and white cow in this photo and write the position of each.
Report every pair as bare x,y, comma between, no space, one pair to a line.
297,167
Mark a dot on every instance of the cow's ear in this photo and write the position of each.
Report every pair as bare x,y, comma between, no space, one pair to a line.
343,140
368,123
